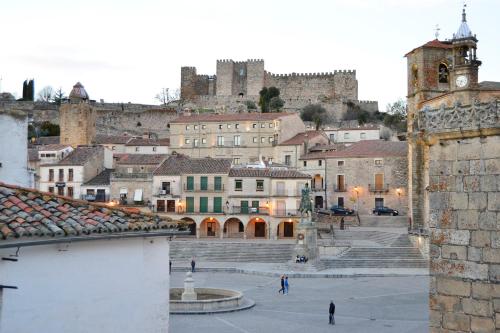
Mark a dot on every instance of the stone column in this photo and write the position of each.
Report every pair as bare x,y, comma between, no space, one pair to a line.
189,294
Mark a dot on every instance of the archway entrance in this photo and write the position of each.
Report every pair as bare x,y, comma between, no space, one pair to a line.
318,201
209,227
257,228
234,228
317,183
286,229
191,225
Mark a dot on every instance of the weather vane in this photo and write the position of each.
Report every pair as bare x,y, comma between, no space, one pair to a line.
437,31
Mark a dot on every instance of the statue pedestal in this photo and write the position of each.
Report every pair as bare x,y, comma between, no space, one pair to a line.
189,294
307,245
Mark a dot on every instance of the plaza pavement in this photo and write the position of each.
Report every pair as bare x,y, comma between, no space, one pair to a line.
364,304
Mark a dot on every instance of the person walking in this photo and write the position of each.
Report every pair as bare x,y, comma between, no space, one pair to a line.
332,313
286,286
193,264
282,285
170,267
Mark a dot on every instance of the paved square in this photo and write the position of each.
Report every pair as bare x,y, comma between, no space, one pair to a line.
375,304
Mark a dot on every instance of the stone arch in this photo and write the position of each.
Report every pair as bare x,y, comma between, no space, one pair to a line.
210,227
234,228
257,227
286,229
191,225
443,73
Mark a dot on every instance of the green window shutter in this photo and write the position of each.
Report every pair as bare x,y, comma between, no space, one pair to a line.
203,205
190,183
255,204
189,205
218,183
217,205
204,183
244,207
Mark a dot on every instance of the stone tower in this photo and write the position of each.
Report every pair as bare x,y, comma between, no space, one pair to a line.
77,118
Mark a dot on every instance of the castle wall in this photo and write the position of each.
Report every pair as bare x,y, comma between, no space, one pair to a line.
77,122
255,76
225,72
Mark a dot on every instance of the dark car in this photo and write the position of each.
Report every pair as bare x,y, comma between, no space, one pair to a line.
341,210
385,210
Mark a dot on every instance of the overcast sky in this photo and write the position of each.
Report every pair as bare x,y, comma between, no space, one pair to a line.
126,51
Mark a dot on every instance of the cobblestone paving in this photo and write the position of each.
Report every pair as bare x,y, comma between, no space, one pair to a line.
381,304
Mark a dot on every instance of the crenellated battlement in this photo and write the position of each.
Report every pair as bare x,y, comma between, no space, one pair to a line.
319,74
367,102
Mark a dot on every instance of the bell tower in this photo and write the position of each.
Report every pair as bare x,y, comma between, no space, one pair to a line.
464,74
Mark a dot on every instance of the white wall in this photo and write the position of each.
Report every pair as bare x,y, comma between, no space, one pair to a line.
78,171
146,150
93,286
14,150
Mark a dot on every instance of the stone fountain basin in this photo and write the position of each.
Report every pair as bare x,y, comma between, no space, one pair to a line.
209,300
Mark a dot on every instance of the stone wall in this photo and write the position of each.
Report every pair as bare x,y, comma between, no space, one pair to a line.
462,210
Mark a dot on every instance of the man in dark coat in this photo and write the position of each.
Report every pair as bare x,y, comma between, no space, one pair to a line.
282,285
332,313
193,263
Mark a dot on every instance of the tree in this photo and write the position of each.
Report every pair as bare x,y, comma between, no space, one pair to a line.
58,96
166,95
266,94
250,105
276,103
46,94
49,129
395,117
315,113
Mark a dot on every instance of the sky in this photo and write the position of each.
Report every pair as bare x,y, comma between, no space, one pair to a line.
127,51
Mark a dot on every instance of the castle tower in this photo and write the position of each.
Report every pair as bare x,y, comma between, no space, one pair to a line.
77,118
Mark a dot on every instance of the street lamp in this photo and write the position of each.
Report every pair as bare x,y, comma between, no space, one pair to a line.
356,189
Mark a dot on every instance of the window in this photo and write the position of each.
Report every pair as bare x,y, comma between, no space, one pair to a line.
165,186
332,137
255,206
187,141
288,159
60,190
51,175
113,147
190,183
203,140
196,143
320,162
70,175
217,205
340,163
238,185
217,183
379,181
220,141
237,126
305,163
70,191
262,139
130,170
346,135
237,140
51,189
379,162
271,139
362,136
236,160
136,148
203,183
270,125
228,125
254,125
195,127
262,125
254,139
203,205
260,185
443,73
154,148
61,175
203,126
187,127
220,126
340,183
189,204
244,207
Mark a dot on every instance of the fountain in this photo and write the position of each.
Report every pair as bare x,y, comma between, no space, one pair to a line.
191,300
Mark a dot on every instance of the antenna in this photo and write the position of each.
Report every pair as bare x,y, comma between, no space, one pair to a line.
437,29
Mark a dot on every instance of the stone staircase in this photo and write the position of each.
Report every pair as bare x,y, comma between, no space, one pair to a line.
383,221
224,251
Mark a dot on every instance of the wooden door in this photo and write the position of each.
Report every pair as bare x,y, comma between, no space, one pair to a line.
288,229
171,206
160,205
379,181
260,229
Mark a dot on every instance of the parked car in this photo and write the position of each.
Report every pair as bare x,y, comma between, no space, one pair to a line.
341,210
385,210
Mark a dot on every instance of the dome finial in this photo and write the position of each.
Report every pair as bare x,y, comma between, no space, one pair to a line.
463,13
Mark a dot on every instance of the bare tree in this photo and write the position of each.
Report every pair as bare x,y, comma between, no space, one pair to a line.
166,96
46,94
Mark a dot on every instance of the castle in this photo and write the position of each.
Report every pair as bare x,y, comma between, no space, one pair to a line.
236,82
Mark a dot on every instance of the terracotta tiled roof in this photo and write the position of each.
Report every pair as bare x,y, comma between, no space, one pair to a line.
138,159
366,148
254,116
266,173
146,142
436,44
489,85
360,128
101,139
53,147
80,155
181,164
28,213
302,137
101,179
164,142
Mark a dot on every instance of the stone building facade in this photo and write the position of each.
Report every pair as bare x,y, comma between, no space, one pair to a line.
240,81
454,160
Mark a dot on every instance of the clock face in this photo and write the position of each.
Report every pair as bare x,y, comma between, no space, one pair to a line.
461,81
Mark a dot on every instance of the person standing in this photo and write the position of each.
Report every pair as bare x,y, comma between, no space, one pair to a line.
282,285
193,264
286,286
332,313
170,267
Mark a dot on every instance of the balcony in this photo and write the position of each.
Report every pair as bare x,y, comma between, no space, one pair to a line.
132,175
286,193
162,193
204,188
249,210
378,187
318,189
340,188
95,197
